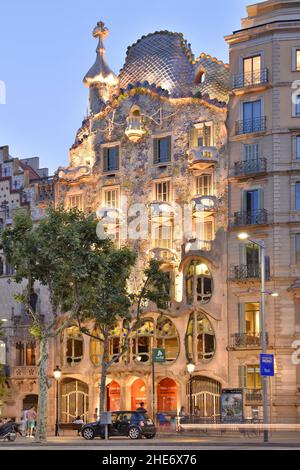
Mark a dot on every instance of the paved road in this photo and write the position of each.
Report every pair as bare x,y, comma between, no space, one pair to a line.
279,442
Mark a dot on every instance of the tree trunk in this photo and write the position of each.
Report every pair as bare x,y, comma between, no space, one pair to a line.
103,373
43,385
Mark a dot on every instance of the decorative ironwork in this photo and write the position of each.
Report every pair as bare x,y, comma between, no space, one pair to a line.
253,395
256,165
249,126
244,271
258,217
257,77
247,340
24,372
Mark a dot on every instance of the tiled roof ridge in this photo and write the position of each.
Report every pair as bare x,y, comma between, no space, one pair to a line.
204,55
186,49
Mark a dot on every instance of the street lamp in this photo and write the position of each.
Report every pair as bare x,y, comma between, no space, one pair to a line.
191,368
57,376
261,246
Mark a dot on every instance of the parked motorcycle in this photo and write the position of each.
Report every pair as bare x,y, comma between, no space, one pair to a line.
8,431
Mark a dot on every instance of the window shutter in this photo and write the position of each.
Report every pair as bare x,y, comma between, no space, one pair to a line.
105,159
242,253
155,151
242,319
193,137
242,376
267,268
260,199
169,148
117,162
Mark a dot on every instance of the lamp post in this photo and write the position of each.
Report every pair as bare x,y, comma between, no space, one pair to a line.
57,376
261,246
191,368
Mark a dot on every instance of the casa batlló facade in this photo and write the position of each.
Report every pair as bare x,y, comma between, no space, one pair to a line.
177,156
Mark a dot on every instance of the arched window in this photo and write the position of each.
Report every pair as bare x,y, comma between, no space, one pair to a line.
200,332
167,338
74,400
142,342
74,346
199,283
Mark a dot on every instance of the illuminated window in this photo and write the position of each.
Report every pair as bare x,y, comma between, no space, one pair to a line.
201,135
75,201
142,342
297,59
252,70
25,353
74,346
167,338
111,198
199,283
162,235
111,158
200,331
162,191
253,377
96,347
204,185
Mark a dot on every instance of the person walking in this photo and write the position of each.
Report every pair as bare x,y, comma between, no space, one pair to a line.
23,423
142,408
31,419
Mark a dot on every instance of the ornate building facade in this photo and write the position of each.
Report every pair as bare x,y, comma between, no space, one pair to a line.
178,155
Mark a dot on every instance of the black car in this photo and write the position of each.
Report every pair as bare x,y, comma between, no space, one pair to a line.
134,424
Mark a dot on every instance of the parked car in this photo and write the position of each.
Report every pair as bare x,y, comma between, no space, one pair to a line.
134,424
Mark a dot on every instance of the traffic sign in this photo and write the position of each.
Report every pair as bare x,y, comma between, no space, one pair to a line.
267,366
159,355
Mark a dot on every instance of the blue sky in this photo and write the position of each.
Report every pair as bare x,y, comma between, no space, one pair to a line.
46,47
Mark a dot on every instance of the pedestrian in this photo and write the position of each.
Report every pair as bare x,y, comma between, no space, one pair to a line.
142,408
23,423
31,419
78,420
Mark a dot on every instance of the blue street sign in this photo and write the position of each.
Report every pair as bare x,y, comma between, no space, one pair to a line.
267,368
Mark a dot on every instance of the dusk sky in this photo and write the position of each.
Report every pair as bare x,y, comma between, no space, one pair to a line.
46,47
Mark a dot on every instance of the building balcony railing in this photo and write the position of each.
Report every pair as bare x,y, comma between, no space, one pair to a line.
253,395
250,79
246,340
250,167
250,126
201,158
244,271
258,217
196,245
24,372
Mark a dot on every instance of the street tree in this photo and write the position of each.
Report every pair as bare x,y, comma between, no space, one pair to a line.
64,253
115,302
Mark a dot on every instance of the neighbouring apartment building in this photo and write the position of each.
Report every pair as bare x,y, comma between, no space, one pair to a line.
202,151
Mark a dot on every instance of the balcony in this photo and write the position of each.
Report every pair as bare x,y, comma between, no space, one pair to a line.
253,395
201,158
244,271
250,167
258,217
196,245
246,340
255,79
251,126
24,372
204,206
164,255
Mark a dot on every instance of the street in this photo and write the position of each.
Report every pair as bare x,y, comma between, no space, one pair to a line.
171,442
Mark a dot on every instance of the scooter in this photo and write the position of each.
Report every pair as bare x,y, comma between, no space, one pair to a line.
8,431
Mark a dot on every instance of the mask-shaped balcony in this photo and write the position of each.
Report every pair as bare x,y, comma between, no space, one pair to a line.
164,255
161,211
204,206
202,158
135,129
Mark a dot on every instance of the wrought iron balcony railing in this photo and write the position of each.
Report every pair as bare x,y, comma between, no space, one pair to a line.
253,395
249,79
247,340
244,271
249,126
257,165
258,217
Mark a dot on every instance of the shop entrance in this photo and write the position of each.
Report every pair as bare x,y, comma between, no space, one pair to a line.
113,396
167,396
138,394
